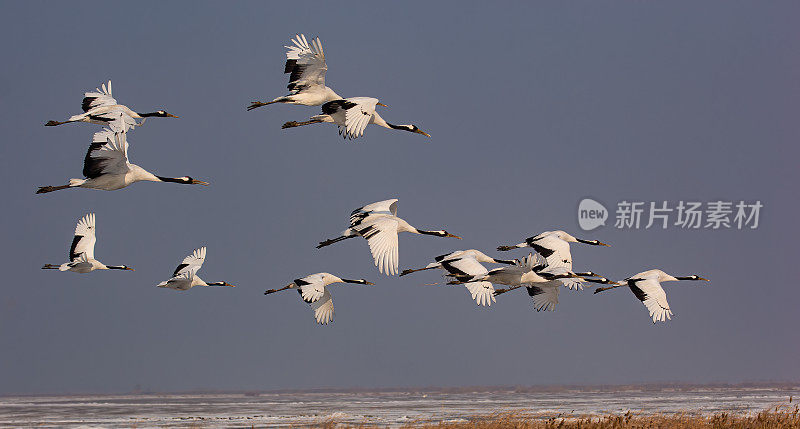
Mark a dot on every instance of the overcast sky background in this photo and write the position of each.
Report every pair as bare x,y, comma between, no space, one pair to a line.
531,108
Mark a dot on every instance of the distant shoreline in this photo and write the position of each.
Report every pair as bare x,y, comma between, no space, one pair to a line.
643,387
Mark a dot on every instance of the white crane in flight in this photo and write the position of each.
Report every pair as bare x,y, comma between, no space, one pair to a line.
313,290
554,247
352,115
306,64
379,225
185,275
100,107
81,252
107,167
647,288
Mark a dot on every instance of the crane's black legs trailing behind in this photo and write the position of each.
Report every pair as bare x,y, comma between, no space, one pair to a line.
410,270
334,240
46,189
257,104
278,290
291,124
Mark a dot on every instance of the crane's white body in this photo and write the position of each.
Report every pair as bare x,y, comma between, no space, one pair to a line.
107,167
100,107
544,292
467,264
307,67
647,288
314,291
515,275
184,281
553,246
81,253
379,225
306,63
459,254
352,115
185,275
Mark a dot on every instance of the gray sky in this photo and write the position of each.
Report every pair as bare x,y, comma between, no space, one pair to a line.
531,108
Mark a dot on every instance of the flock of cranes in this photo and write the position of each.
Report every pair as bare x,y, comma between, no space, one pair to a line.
543,273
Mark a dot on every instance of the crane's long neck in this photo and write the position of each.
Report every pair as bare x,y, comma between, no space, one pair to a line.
140,173
168,179
422,231
377,120
331,95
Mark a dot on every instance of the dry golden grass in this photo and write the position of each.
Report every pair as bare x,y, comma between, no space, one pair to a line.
784,417
777,418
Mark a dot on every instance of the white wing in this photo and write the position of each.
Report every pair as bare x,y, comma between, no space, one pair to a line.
118,119
381,234
311,287
192,262
482,292
306,63
323,308
545,295
83,242
108,154
532,261
383,207
556,252
98,98
357,117
650,292
465,266
182,281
